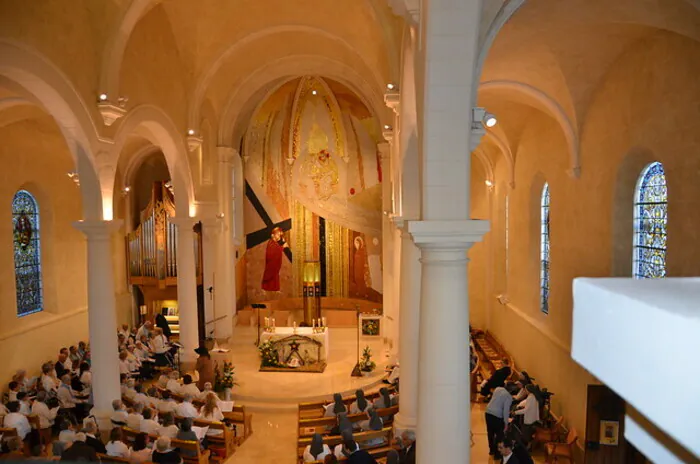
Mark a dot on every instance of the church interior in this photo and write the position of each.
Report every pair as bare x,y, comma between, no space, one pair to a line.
472,213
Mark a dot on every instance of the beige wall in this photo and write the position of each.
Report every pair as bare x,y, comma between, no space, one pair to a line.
645,109
36,159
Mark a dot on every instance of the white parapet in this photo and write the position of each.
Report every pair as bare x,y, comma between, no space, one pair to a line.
642,339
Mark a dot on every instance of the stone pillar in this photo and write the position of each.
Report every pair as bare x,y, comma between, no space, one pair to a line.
187,290
226,267
409,324
443,360
210,262
102,315
389,303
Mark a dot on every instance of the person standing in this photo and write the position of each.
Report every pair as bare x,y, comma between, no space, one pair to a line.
205,367
497,414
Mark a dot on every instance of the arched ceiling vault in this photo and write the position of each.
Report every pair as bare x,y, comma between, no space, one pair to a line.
553,55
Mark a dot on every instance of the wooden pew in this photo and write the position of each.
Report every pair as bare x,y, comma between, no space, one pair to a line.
239,417
202,457
379,454
317,408
224,440
321,424
360,438
105,458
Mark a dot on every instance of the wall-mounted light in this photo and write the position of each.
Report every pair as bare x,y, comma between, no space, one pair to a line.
74,177
220,215
103,97
488,183
390,86
387,127
190,132
126,190
490,120
314,92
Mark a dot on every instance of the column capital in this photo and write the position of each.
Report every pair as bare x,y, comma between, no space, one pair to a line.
447,235
98,229
226,154
393,101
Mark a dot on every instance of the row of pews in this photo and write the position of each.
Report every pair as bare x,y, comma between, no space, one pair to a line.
311,420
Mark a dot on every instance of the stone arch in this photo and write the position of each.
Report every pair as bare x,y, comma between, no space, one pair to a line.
208,75
152,123
498,137
44,83
485,163
113,54
537,99
409,192
241,103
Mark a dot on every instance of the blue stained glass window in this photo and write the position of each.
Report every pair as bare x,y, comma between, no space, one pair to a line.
650,220
544,250
27,250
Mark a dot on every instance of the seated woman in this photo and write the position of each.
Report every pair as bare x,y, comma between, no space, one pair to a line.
116,446
375,423
164,453
211,412
317,450
384,400
187,434
169,429
149,424
336,407
360,404
140,452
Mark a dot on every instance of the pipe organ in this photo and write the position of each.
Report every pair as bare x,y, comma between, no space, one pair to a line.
152,250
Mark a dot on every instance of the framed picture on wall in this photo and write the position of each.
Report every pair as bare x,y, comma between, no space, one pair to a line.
609,433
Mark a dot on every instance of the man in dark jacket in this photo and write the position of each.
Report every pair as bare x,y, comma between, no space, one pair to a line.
497,379
79,451
407,441
505,449
90,431
355,454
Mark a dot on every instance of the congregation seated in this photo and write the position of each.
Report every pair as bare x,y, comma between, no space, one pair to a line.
135,417
186,408
149,424
385,399
188,387
173,384
79,450
497,379
375,423
14,450
92,437
168,429
360,404
167,403
187,434
13,389
119,416
16,420
211,412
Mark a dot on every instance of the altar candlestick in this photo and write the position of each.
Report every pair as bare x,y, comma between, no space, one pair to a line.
295,324
273,322
267,322
324,321
313,323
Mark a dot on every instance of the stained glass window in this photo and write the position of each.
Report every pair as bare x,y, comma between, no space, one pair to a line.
650,219
544,251
27,248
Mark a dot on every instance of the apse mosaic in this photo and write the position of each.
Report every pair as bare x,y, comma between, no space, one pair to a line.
650,221
27,253
313,191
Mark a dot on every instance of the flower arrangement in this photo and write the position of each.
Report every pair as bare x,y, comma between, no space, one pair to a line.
366,363
268,354
224,379
370,327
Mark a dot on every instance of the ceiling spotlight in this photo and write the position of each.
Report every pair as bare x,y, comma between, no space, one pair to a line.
127,189
220,215
314,92
190,132
490,120
103,97
390,86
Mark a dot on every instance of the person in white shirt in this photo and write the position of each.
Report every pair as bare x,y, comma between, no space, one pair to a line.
317,450
25,404
25,383
384,400
336,407
16,420
169,429
130,390
186,408
505,449
140,397
85,375
346,433
173,384
48,378
189,388
144,330
3,412
529,408
116,446
149,424
141,351
12,392
211,412
124,365
66,396
166,404
133,420
119,415
124,330
46,415
360,404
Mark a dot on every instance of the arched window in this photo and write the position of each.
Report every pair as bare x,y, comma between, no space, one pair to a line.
544,250
27,249
650,208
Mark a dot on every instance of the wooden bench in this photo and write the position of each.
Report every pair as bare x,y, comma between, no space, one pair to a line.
379,454
106,458
225,439
361,437
238,416
307,427
202,457
317,408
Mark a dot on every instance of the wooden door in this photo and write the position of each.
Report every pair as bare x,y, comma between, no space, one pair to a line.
605,427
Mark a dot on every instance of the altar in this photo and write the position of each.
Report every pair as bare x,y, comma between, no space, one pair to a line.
300,349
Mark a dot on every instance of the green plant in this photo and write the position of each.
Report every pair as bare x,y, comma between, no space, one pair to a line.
268,354
224,379
366,363
370,327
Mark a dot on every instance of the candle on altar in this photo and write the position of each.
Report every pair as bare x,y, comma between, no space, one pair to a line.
267,322
323,319
273,322
295,324
313,323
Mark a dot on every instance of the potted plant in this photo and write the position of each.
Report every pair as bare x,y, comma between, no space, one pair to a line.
268,355
366,363
224,379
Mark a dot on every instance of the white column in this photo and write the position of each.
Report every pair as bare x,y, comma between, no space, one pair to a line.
102,314
443,360
445,233
210,258
389,303
187,290
225,290
409,324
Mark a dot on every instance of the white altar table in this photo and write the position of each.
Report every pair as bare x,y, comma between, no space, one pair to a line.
283,332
